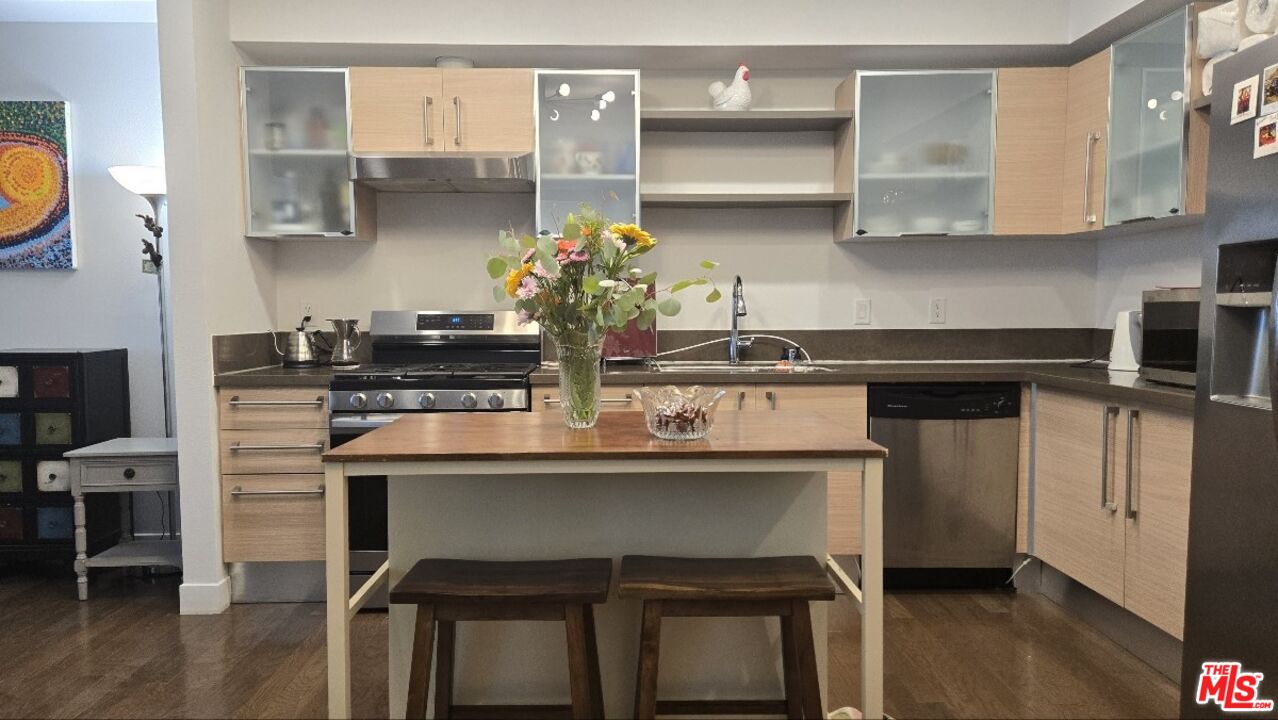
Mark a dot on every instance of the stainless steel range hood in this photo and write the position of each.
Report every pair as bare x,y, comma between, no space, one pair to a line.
452,172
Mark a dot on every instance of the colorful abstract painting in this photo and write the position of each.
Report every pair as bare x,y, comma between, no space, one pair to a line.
35,193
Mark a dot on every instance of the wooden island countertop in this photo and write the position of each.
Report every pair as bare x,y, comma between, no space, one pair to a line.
516,436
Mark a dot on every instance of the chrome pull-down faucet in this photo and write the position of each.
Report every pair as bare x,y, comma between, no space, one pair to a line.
735,343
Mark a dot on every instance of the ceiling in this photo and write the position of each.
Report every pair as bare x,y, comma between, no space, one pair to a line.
115,11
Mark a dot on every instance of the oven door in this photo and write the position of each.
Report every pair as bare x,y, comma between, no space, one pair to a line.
366,496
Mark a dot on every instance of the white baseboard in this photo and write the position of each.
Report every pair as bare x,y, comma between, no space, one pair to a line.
204,598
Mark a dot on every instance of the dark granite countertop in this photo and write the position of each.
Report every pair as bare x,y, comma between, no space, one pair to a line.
1119,387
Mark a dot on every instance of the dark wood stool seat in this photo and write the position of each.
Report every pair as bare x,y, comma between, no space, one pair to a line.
729,587
448,591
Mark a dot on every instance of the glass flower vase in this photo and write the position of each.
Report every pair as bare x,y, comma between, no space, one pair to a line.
579,384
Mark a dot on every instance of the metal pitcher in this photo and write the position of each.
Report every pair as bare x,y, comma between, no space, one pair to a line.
346,339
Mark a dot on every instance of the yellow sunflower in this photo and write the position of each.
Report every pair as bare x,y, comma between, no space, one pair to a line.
633,235
516,276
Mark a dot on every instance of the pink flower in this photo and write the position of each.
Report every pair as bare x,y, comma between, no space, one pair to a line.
523,317
528,255
540,271
527,288
578,256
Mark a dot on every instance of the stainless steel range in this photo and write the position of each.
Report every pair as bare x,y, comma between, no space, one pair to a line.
423,362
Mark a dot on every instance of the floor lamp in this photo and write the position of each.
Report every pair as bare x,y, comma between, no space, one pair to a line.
147,182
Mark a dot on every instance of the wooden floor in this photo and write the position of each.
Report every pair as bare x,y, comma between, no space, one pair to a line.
127,653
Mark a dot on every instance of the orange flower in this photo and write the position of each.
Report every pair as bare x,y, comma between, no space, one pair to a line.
567,246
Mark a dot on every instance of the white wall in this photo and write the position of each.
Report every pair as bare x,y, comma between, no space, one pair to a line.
221,282
1127,266
110,75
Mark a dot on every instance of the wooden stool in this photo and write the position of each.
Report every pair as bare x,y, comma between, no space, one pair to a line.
450,591
729,587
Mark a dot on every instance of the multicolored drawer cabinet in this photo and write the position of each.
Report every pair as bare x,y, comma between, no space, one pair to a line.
52,401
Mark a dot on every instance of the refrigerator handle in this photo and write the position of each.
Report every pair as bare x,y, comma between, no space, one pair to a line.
1273,349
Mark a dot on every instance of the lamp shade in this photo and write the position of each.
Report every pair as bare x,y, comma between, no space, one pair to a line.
143,180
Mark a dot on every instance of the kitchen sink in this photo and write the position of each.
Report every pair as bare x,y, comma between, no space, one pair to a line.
742,368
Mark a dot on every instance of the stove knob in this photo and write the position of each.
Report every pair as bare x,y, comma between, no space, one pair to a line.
426,400
469,401
495,401
385,400
359,401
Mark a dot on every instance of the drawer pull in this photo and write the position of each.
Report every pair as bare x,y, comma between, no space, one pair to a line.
547,400
240,447
129,473
239,491
772,399
235,401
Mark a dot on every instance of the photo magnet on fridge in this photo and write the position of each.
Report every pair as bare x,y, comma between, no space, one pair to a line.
1269,90
1266,136
1244,101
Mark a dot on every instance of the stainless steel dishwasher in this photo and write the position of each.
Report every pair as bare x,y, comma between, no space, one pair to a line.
949,500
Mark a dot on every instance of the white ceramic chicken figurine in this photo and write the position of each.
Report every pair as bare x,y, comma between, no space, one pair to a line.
735,96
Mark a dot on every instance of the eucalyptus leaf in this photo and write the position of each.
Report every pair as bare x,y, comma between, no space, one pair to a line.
496,267
714,296
547,246
590,284
649,279
572,230
508,241
709,264
646,318
528,242
499,293
669,307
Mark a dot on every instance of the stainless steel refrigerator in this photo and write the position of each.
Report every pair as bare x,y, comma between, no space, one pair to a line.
1231,604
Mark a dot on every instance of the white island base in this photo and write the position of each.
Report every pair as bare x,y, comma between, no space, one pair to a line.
661,512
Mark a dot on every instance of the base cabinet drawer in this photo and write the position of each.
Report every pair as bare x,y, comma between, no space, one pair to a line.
250,452
613,398
268,408
272,518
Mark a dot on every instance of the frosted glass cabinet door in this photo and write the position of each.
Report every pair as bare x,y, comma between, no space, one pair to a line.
1148,81
296,136
588,144
924,152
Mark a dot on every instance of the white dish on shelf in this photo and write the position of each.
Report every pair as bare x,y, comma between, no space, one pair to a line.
928,224
966,226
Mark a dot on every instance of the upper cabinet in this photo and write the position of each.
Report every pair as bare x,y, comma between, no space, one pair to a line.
587,144
924,153
1028,174
295,138
1149,85
420,110
1086,144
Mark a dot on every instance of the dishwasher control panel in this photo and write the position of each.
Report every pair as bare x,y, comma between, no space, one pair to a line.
945,401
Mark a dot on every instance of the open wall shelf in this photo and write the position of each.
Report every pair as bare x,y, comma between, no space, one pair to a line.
743,120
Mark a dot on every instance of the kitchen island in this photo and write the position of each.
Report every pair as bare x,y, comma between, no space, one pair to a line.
516,486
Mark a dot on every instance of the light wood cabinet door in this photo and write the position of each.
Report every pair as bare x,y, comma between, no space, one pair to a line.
488,110
1078,527
1029,150
843,502
272,518
1086,144
397,109
1157,540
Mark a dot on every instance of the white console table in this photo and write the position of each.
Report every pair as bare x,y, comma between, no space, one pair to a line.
123,465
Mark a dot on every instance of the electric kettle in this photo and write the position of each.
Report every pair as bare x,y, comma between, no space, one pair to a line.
346,339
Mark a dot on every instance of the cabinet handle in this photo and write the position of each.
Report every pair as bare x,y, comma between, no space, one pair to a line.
457,114
626,400
1088,216
235,401
1132,416
238,491
427,104
741,397
1105,501
772,399
240,447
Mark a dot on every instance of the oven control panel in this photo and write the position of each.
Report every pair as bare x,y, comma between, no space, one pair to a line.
340,401
444,322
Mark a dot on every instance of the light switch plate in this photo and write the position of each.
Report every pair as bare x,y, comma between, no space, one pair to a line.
861,311
936,311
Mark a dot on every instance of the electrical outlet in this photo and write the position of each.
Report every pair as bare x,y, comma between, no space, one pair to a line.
861,311
936,311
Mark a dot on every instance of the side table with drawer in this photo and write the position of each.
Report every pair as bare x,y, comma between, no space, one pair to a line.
123,465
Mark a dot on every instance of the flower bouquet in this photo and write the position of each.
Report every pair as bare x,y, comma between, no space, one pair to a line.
578,286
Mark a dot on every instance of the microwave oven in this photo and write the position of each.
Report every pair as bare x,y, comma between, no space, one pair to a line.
1169,335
